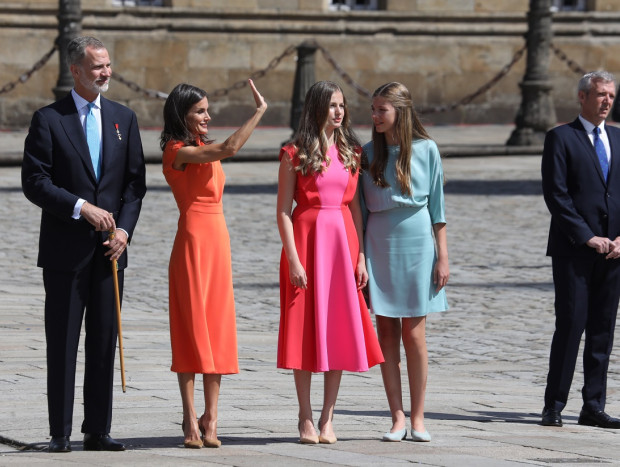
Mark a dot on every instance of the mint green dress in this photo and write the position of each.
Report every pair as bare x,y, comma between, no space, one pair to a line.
398,240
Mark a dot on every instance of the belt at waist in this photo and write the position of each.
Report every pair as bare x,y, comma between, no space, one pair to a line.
306,208
205,208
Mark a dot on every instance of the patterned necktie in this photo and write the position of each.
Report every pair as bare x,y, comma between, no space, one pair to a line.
92,137
600,152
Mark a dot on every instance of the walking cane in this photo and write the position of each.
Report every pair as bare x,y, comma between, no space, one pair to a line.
117,299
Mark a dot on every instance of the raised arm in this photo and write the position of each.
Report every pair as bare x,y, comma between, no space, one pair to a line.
230,147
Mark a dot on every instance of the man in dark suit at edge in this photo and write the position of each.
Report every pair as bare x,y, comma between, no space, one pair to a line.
581,186
84,166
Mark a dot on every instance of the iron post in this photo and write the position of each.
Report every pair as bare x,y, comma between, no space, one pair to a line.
69,27
537,113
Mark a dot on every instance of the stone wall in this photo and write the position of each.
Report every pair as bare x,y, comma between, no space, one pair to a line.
440,56
434,6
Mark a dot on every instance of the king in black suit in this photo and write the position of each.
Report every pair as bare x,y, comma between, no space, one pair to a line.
583,198
80,203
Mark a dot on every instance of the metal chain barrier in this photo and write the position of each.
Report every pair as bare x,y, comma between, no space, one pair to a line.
139,89
467,99
436,109
343,74
218,92
328,57
26,76
570,63
290,50
360,89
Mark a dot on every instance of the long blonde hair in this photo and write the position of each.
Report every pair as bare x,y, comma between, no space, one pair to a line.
310,138
407,128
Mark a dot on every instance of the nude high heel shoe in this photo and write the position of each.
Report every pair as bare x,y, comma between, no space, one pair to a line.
208,442
306,439
193,444
326,439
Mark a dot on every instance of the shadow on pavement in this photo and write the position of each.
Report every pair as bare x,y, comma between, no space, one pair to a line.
479,416
493,187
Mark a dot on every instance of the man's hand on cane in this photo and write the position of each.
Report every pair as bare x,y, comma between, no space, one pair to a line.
103,221
117,242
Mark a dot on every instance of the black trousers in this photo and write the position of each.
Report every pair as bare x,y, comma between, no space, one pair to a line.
587,291
69,296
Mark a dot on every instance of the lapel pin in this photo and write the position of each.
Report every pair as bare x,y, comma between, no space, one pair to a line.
118,133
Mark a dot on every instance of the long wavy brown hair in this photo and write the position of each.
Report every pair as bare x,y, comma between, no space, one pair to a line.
407,128
310,138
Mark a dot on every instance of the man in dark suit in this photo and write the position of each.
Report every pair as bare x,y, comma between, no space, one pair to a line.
581,186
84,166
615,110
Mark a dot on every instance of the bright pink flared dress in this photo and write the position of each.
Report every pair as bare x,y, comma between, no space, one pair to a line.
327,326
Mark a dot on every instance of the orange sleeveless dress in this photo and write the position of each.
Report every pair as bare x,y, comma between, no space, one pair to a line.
203,331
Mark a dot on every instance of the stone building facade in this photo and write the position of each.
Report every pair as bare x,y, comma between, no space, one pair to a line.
443,50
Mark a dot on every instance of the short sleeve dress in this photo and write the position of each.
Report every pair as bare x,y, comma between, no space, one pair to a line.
203,332
398,240
326,326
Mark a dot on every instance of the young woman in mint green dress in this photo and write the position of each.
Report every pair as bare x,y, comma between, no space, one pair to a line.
406,246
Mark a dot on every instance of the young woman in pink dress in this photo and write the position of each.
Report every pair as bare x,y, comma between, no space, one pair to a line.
325,325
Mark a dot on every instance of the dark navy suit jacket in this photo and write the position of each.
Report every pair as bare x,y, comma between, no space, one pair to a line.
581,204
57,171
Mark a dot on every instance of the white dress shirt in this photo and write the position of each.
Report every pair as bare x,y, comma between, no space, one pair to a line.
603,135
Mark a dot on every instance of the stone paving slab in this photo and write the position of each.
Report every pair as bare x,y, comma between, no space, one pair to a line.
488,354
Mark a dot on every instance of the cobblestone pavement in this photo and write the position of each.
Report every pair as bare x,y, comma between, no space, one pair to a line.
488,353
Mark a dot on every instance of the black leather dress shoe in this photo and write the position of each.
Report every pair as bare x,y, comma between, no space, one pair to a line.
101,443
551,417
60,444
598,418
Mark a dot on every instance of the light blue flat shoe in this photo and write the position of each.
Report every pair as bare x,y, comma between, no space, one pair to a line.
396,436
423,437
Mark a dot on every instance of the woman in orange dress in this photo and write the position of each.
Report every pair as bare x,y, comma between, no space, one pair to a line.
203,332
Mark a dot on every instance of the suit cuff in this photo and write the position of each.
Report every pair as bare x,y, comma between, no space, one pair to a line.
78,208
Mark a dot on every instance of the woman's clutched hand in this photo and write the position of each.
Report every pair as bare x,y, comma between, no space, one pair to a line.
361,275
297,275
441,274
